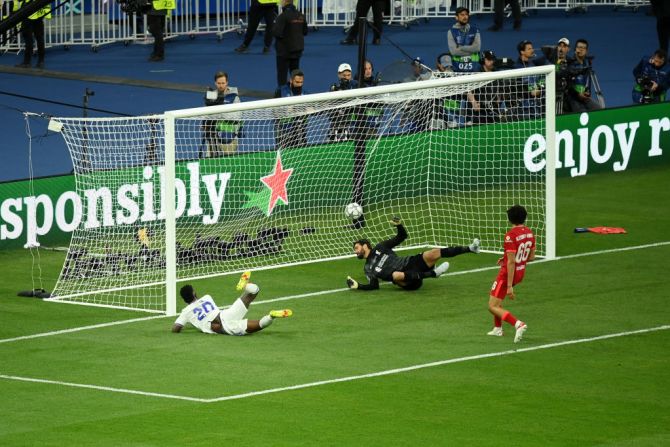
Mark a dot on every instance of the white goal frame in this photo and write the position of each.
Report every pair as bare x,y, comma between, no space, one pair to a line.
173,115
403,94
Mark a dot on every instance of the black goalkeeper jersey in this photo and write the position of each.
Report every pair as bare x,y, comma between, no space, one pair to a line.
382,261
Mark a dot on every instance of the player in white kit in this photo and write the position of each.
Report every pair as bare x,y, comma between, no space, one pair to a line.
204,314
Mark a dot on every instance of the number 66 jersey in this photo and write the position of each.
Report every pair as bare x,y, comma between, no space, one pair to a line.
521,241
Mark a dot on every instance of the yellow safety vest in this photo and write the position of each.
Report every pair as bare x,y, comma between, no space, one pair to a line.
269,2
164,4
44,12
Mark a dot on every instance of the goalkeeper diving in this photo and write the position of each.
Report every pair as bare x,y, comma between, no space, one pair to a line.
407,272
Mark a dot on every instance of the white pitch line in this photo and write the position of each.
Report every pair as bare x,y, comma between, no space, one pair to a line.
613,250
562,258
304,295
77,329
438,363
325,292
101,388
340,379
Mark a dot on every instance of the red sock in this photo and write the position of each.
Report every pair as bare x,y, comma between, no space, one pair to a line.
497,321
509,318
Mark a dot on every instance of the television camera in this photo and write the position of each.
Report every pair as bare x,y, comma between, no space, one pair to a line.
648,95
566,75
134,6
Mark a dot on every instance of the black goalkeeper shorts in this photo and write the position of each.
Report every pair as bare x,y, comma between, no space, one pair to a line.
417,264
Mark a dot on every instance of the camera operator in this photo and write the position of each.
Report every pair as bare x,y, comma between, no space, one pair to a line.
444,63
558,55
291,131
483,105
340,119
580,80
652,78
368,117
344,81
529,94
221,135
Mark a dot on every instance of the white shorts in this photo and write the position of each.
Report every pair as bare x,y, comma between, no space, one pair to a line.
232,319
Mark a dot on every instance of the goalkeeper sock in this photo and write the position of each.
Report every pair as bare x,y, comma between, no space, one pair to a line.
509,318
497,321
450,252
265,321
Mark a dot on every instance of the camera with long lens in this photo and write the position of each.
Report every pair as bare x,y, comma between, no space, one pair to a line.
134,6
647,85
343,84
504,63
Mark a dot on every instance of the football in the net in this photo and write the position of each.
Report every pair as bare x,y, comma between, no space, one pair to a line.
353,210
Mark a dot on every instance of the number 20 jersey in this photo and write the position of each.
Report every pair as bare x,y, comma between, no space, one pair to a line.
200,314
521,241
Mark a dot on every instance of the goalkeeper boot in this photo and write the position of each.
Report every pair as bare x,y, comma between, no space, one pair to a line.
441,269
244,279
283,313
520,329
474,247
496,332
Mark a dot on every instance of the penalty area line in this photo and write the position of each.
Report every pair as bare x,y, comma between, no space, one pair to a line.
81,328
438,363
387,372
100,388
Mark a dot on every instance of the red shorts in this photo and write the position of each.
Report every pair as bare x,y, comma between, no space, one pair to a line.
499,287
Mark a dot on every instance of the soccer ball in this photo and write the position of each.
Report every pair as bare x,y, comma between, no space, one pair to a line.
353,210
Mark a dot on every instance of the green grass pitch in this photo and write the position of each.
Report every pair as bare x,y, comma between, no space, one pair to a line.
311,379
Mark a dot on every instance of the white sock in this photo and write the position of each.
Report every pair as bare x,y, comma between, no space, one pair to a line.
251,288
265,321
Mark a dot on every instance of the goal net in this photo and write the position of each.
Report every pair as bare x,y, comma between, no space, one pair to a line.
203,192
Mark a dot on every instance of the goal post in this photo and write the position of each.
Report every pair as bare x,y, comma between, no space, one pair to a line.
550,168
204,192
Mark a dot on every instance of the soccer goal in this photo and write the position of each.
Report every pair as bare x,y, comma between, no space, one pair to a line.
203,192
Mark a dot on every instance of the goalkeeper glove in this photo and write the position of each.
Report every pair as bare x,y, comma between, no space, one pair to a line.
395,220
352,283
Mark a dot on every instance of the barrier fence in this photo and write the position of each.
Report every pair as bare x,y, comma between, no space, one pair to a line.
101,22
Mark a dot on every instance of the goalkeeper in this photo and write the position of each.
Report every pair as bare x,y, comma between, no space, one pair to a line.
204,314
407,272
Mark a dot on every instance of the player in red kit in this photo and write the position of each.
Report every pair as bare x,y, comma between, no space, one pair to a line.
519,249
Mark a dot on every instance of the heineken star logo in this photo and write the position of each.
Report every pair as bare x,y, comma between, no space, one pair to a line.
275,189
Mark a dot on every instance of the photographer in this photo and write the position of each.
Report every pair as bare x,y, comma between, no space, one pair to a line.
531,90
558,55
220,136
340,119
344,80
291,131
485,104
652,78
580,81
